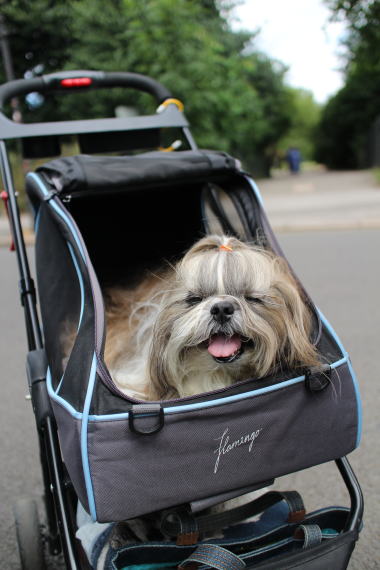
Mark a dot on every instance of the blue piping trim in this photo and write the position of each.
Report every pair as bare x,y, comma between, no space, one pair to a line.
81,283
62,214
37,179
68,407
354,377
255,190
343,360
37,221
83,437
359,403
211,403
220,401
70,225
60,384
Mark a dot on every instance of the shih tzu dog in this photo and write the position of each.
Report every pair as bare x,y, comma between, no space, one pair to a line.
228,311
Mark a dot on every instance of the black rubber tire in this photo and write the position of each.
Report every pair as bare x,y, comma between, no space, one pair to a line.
28,533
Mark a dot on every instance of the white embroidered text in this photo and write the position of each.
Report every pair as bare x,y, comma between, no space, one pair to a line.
225,445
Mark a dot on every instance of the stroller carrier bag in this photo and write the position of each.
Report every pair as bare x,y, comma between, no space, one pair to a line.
103,220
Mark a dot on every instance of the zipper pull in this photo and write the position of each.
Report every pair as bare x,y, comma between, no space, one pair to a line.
50,195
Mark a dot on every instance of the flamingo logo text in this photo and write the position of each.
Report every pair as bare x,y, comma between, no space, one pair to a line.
226,445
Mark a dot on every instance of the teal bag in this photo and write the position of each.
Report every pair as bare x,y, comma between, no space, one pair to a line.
271,542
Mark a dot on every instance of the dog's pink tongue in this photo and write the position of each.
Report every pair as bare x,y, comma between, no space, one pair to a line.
222,346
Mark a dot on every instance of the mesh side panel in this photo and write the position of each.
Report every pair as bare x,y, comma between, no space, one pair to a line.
61,279
59,291
328,347
105,402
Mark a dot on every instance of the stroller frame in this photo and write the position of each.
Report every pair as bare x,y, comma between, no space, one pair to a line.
59,495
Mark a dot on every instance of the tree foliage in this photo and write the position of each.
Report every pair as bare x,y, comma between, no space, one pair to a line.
348,117
39,33
305,117
235,97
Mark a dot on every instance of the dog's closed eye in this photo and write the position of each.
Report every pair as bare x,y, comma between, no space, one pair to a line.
192,299
264,300
252,299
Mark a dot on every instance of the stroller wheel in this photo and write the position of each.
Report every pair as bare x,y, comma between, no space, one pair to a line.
29,537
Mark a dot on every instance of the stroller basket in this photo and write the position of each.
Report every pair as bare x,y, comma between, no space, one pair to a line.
223,441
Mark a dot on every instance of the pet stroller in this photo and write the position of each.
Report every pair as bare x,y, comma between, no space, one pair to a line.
100,219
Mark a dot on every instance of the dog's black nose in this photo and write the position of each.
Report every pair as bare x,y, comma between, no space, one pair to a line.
222,311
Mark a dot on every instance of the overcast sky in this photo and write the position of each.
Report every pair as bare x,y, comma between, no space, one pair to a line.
298,33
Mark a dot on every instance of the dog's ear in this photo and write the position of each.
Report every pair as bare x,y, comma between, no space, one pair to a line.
162,368
159,388
298,349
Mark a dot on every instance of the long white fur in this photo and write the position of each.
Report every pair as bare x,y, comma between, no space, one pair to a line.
156,346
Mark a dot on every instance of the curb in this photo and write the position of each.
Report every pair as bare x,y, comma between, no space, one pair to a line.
326,226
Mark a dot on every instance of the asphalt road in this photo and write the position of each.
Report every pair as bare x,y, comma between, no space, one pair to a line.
322,200
341,270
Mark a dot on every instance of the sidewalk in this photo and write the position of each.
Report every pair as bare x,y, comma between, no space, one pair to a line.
309,201
322,201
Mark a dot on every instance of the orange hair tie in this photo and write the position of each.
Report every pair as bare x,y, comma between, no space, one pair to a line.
225,248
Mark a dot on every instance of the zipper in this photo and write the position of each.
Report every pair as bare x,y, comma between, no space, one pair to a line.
106,378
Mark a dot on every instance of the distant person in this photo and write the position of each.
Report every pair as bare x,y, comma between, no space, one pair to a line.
293,158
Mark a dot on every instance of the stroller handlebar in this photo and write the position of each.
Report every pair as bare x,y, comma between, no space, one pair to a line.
68,81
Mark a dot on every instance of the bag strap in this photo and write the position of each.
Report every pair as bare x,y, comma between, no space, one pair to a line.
311,534
219,558
213,556
187,527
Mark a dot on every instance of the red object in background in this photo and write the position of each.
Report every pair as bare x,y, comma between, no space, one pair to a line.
76,82
4,196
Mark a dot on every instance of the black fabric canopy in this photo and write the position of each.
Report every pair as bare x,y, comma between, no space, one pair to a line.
78,173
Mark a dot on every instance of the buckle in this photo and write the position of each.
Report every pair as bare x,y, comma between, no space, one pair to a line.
143,414
317,378
26,287
182,524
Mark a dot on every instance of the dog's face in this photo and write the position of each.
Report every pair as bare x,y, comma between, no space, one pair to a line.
231,312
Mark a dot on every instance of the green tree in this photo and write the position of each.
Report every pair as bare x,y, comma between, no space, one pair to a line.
272,117
305,115
39,39
346,122
234,97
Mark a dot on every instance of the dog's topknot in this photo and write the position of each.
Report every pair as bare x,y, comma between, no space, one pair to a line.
218,242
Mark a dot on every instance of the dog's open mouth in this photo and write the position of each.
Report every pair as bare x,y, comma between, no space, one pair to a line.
225,349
